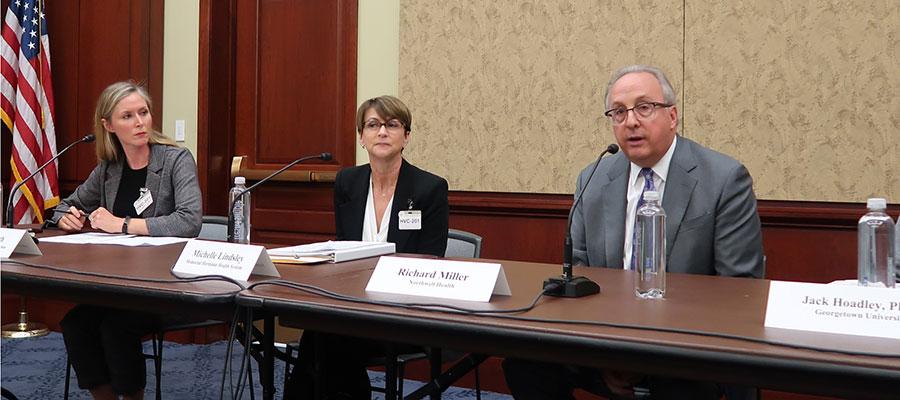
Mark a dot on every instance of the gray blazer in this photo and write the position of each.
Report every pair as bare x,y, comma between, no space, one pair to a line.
712,227
177,208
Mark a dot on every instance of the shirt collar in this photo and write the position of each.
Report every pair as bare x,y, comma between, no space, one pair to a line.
661,169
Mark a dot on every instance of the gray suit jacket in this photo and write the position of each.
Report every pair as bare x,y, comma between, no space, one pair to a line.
712,226
177,208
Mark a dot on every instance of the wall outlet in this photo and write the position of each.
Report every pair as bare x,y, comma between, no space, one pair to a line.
179,130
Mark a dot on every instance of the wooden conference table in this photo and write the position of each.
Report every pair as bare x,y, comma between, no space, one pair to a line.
209,299
716,305
157,290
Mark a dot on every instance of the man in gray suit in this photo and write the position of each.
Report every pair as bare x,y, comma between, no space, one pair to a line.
712,226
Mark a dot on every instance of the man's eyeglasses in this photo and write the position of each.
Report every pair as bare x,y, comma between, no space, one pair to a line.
641,110
374,125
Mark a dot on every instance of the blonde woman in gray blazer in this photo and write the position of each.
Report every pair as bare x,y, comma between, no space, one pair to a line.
126,143
143,184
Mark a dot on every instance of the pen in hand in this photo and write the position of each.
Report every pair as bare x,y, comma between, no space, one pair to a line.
64,212
75,221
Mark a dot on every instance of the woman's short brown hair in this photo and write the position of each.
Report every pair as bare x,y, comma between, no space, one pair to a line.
107,144
388,108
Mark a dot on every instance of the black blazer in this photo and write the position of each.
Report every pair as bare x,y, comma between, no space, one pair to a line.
421,189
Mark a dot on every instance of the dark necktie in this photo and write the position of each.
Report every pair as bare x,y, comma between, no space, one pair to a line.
647,173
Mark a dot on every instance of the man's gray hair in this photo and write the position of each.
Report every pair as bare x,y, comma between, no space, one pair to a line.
668,92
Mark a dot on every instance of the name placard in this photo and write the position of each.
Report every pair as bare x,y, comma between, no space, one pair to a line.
17,241
458,280
236,261
848,310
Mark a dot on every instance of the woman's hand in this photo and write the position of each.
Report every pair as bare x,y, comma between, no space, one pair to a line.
105,221
73,221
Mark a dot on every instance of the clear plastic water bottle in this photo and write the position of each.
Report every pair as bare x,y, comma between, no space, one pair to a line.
876,246
897,251
239,207
650,248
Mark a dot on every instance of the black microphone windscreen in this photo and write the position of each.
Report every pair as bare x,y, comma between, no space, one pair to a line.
613,148
325,156
88,138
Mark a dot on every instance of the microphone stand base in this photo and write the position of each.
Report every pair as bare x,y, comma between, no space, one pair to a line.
576,286
24,329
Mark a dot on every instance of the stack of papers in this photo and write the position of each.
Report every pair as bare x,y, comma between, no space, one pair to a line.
113,238
330,251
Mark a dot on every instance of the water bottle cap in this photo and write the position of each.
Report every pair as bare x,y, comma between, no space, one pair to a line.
876,203
651,196
239,180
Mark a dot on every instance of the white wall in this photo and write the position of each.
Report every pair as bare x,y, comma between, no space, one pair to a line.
378,55
181,49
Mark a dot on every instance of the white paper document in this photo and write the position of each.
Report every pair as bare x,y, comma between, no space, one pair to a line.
848,310
330,251
458,280
114,238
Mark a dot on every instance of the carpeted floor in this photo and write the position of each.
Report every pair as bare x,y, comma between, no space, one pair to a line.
35,369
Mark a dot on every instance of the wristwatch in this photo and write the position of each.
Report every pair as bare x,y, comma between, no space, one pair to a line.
125,224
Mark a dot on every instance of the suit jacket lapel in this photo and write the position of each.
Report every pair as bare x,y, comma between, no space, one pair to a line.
356,206
679,190
157,159
613,198
402,197
113,178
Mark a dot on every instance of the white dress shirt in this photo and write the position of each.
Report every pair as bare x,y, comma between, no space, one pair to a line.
371,231
636,187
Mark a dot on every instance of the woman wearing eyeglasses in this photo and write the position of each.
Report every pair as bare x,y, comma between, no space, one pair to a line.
369,201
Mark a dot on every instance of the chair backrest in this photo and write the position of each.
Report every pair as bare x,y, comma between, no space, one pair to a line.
214,228
463,244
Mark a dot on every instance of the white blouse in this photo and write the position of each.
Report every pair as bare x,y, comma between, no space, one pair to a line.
371,231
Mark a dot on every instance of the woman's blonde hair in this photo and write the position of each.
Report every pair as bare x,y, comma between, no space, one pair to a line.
108,146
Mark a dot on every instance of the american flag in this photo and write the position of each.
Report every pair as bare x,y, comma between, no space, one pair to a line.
26,107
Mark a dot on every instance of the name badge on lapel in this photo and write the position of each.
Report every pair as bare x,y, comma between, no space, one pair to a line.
410,220
144,200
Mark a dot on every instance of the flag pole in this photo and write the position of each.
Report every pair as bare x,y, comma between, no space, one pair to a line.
23,328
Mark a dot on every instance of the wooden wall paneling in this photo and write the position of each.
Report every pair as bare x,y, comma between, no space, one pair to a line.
295,92
155,43
810,254
245,76
296,82
100,42
63,26
803,241
216,103
513,226
811,241
286,214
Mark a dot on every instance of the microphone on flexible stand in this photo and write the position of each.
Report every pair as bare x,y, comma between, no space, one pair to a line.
567,285
9,205
322,156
